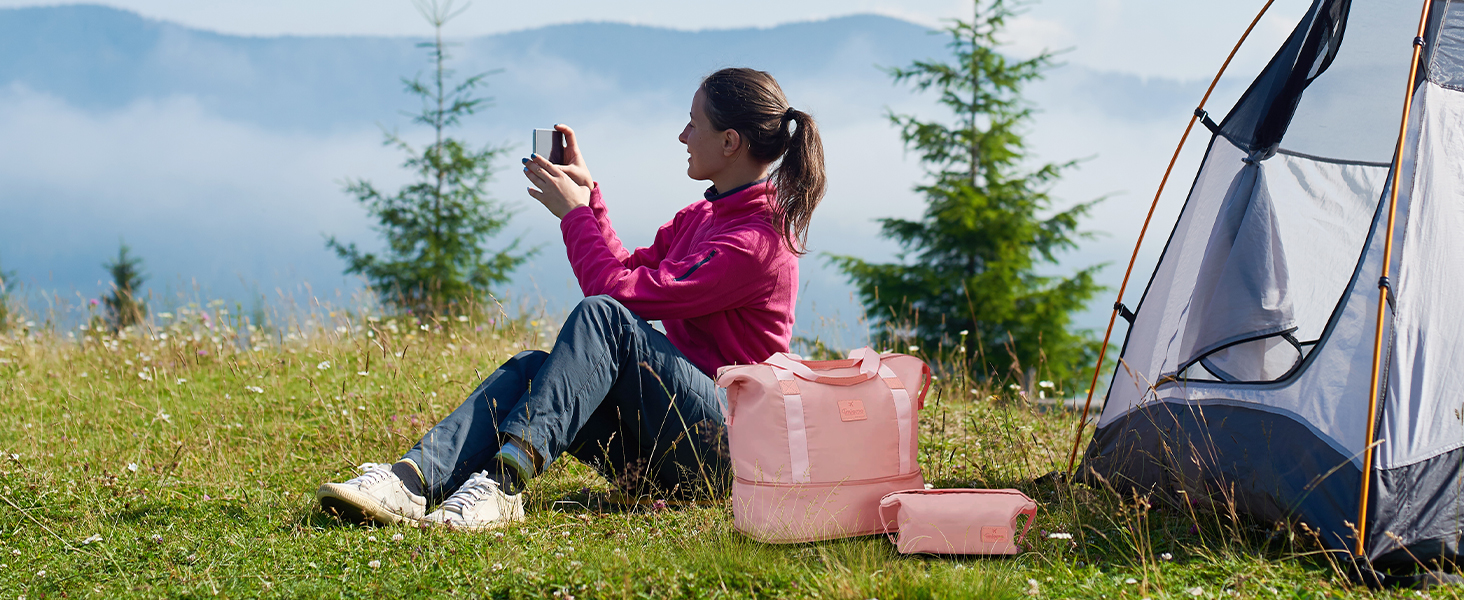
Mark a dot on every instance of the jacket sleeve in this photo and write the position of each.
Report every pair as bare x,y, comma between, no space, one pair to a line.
642,256
727,271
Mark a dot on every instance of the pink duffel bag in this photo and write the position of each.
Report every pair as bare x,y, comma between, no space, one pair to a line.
957,521
816,444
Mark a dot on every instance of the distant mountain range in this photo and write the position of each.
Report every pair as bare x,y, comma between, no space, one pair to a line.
220,158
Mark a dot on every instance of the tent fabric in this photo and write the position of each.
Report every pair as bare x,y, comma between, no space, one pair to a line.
1247,369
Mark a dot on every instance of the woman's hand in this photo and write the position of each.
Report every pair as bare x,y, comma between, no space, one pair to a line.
557,189
574,159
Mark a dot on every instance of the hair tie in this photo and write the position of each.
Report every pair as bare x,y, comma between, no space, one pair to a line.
788,114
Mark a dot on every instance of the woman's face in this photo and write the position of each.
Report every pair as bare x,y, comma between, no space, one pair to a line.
711,150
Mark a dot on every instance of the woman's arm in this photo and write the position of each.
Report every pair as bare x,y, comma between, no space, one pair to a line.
727,271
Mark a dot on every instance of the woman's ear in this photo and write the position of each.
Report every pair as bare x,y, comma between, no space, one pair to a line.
731,142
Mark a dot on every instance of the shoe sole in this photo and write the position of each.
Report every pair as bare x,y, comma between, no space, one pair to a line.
351,505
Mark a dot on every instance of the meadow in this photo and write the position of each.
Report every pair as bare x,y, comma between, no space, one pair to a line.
179,459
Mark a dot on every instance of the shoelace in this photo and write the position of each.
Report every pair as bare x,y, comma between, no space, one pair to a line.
371,474
477,487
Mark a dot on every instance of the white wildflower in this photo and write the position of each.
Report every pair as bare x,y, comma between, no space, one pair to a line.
1059,536
144,376
497,566
41,573
463,318
362,373
1014,387
132,467
370,538
360,408
375,564
964,331
397,537
255,389
324,365
913,349
1166,556
1196,591
1130,581
93,539
1046,384
1032,588
182,381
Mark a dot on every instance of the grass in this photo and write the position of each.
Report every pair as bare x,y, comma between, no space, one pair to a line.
180,460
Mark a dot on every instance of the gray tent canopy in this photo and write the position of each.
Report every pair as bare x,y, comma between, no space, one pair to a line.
1247,369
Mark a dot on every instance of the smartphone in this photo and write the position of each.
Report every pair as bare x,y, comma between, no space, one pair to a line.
549,143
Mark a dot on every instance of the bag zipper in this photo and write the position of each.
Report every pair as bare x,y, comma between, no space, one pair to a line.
829,483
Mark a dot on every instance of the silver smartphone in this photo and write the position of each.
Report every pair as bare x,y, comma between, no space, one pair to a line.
549,143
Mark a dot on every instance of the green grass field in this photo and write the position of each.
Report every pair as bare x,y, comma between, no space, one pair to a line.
180,460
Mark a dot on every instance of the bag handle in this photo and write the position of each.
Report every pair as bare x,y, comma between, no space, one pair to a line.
925,374
890,501
1031,511
868,364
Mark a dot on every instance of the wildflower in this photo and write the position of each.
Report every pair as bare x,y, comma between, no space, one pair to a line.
167,418
94,302
462,318
92,539
15,552
132,467
964,331
144,376
497,566
1196,591
360,408
370,538
182,381
913,349
375,564
157,539
1130,581
203,352
324,365
255,389
1046,384
15,457
397,537
1166,556
659,504
1059,536
1032,588
1014,387
362,373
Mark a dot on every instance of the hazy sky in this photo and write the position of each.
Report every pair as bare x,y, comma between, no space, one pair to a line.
1170,38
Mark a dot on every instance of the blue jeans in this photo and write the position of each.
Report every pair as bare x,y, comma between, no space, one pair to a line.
614,393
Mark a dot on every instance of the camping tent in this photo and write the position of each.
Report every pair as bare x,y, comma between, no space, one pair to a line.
1247,372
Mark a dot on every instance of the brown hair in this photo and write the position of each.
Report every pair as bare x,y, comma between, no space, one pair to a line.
752,103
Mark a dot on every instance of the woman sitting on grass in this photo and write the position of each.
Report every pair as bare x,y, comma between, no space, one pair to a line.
638,406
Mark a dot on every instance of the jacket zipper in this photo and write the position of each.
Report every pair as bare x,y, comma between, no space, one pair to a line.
697,266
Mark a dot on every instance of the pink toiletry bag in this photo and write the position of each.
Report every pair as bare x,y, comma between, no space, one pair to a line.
816,444
957,521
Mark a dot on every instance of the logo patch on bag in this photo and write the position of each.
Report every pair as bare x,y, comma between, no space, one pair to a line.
851,410
994,535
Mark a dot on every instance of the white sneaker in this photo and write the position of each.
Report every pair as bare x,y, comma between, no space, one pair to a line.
376,495
479,504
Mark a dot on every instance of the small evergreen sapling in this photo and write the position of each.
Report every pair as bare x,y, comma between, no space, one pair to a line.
974,285
436,227
124,308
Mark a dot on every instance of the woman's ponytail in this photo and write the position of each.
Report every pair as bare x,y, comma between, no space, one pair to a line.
752,103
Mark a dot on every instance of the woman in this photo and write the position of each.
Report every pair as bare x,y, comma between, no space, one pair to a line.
639,406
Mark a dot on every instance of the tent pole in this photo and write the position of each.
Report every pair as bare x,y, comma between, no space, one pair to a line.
1107,334
1383,289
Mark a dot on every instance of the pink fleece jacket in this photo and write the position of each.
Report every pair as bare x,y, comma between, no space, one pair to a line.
718,276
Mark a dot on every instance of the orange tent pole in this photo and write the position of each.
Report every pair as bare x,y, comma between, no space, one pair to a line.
1383,288
1103,350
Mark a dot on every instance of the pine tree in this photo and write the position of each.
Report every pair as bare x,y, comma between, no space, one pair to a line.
124,309
436,228
973,284
9,282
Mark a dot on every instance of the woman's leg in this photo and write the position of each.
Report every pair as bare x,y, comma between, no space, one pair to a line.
611,375
466,441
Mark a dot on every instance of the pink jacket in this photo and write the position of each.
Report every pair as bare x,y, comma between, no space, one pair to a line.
718,276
